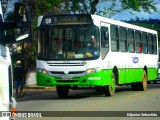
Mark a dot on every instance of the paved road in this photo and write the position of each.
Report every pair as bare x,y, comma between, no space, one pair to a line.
90,100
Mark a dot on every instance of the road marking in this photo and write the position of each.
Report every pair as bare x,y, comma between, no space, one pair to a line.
91,107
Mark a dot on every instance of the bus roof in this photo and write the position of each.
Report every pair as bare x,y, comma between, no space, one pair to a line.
119,23
73,19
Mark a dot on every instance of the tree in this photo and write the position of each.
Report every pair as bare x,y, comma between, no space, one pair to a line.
110,7
41,7
105,8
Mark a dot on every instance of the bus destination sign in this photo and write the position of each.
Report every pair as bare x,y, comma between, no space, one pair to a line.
67,20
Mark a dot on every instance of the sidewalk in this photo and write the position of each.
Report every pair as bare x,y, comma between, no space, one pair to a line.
34,87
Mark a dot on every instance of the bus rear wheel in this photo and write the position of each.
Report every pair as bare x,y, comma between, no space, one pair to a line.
110,89
135,86
143,84
62,91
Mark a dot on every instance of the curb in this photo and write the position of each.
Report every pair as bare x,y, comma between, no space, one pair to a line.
39,88
29,89
34,87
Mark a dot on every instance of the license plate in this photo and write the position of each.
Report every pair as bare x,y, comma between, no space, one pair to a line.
66,77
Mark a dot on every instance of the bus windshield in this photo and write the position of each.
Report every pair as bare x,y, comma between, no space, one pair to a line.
68,43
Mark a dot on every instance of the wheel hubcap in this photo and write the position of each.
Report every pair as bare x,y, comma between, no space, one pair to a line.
144,81
113,86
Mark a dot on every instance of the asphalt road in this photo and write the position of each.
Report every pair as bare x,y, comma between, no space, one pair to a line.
95,103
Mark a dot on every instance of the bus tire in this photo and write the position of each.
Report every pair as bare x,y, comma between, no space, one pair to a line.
135,86
110,89
62,91
143,84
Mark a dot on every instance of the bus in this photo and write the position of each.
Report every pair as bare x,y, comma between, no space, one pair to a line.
11,32
90,51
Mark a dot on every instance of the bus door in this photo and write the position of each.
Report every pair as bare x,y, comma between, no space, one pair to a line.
104,40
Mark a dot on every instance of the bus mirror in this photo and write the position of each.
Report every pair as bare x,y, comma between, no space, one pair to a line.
19,29
23,21
22,37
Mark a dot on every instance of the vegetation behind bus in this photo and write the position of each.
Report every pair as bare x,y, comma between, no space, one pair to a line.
90,6
41,7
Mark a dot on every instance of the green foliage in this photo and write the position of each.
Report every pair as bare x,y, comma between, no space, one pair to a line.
90,6
74,7
138,5
41,7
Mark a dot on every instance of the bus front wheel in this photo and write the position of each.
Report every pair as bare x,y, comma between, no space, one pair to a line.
62,91
110,89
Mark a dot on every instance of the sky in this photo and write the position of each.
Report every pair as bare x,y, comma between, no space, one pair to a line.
141,15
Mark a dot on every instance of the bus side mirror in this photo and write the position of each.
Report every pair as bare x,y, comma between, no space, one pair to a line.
22,21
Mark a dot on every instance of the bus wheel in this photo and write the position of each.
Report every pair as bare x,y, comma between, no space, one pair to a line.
143,84
62,91
110,89
135,86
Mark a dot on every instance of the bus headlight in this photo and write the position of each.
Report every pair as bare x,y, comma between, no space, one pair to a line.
91,70
43,71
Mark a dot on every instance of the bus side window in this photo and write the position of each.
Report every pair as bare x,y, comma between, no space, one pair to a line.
104,41
123,39
114,38
144,43
140,48
130,40
154,44
150,42
138,42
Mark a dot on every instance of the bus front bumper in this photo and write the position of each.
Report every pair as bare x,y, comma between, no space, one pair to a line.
99,78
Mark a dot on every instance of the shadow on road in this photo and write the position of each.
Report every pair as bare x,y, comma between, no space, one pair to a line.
75,94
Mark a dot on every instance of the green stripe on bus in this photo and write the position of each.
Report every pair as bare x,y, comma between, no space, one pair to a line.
100,78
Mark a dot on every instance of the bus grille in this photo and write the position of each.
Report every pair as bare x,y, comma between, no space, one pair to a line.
67,81
70,72
66,64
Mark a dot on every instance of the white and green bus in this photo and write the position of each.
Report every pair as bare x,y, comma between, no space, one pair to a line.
89,51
